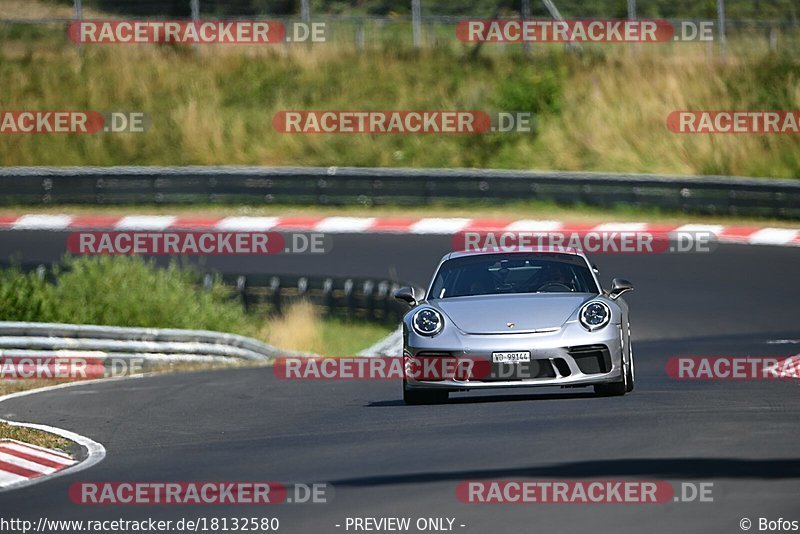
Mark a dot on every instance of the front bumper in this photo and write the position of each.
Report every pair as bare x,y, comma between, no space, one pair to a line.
570,356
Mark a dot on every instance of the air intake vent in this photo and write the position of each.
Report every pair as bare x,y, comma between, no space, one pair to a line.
591,359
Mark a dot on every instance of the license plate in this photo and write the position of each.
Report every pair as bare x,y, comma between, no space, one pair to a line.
511,357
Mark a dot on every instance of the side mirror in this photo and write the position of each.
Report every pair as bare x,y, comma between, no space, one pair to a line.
406,294
619,286
595,269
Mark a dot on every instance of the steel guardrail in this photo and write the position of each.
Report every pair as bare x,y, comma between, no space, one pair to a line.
347,186
21,339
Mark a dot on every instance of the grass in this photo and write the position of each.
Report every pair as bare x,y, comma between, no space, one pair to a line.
34,437
602,110
33,10
13,386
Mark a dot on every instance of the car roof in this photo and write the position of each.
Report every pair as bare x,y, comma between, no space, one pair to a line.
569,251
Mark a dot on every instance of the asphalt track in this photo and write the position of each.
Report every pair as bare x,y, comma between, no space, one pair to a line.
387,459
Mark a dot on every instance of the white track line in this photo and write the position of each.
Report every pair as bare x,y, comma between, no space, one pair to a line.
773,236
42,222
145,222
246,224
621,227
10,479
344,224
712,228
439,226
531,225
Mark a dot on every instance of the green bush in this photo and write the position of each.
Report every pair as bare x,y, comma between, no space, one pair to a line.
122,291
532,90
23,296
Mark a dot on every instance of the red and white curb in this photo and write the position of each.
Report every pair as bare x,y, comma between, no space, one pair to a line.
22,464
753,235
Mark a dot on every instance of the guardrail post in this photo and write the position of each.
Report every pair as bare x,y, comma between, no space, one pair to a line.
241,289
430,191
47,190
98,191
302,287
78,16
327,297
208,281
383,291
632,16
322,185
416,23
721,30
194,7
349,298
369,298
773,38
525,15
360,41
275,294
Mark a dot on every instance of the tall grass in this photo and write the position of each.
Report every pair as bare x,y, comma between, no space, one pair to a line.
297,329
599,111
302,328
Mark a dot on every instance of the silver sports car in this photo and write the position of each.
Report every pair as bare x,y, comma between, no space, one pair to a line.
515,319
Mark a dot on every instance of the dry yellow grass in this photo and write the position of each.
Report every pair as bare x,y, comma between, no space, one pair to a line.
214,104
13,386
34,437
301,328
298,329
34,10
620,115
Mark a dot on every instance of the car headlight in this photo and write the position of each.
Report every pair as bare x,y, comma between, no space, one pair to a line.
427,322
594,315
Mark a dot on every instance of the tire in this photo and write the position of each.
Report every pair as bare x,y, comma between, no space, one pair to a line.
424,396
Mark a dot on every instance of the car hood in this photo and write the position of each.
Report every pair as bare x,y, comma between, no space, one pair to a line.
491,314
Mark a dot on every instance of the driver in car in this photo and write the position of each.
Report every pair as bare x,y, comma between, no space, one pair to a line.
553,277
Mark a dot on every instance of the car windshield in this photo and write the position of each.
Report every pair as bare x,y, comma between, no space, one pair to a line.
494,274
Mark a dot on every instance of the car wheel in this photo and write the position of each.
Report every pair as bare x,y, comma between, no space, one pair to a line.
424,396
